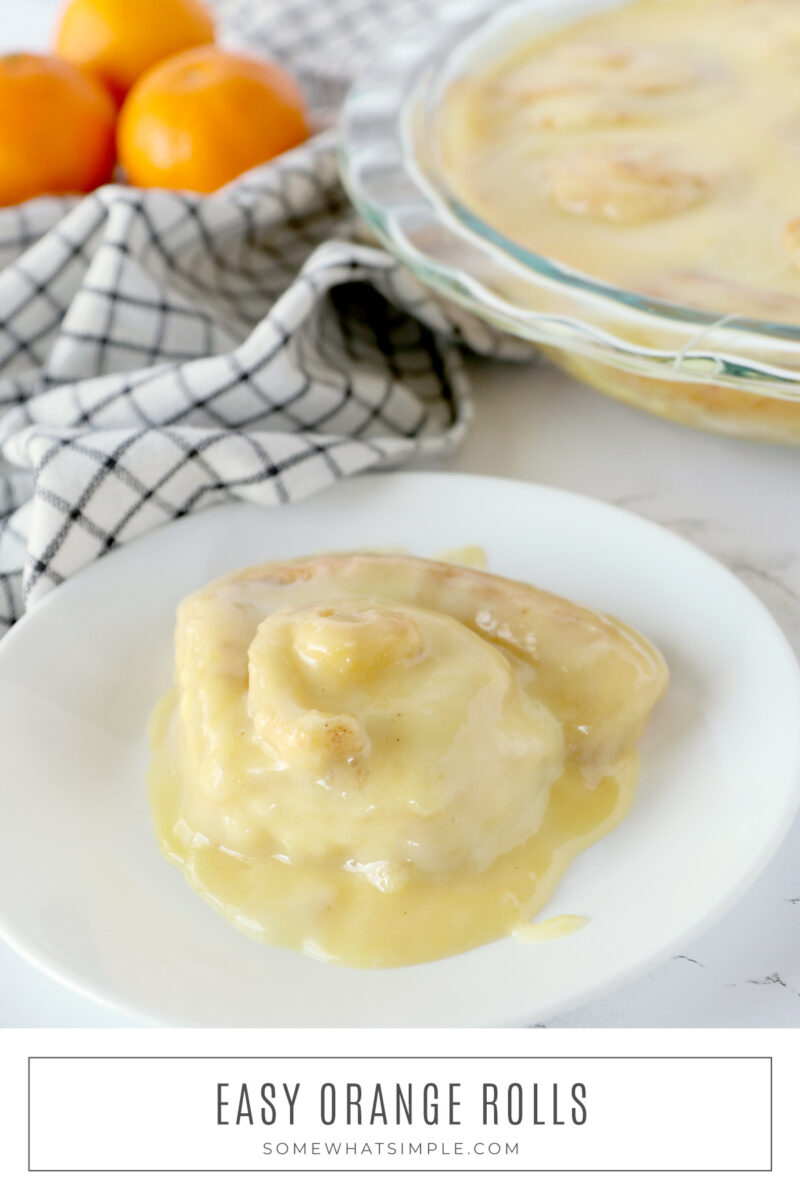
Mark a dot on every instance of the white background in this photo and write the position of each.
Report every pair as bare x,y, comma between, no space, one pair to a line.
781,1184
693,1114
737,500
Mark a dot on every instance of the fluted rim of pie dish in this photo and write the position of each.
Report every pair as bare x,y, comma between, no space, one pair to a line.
396,194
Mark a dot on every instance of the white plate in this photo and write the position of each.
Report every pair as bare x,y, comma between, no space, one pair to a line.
85,894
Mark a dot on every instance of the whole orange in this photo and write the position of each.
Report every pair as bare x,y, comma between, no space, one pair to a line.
56,129
200,119
118,40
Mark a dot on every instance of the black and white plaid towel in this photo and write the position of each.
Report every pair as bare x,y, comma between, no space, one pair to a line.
162,352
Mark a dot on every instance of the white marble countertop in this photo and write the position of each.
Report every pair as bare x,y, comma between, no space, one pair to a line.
739,501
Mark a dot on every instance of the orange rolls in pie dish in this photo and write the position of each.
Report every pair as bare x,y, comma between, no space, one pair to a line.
383,760
653,146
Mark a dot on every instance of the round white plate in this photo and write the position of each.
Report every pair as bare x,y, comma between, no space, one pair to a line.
85,893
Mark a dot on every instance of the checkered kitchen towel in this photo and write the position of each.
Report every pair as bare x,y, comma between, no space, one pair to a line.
163,352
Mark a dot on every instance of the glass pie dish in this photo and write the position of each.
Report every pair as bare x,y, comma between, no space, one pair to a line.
722,371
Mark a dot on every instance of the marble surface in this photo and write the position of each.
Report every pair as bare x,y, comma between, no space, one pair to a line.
738,501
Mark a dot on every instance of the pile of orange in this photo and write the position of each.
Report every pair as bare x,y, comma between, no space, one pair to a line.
145,86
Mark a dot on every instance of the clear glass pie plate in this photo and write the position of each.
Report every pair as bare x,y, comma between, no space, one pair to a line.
721,371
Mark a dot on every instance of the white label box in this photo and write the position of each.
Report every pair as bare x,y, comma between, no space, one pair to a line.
522,1114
